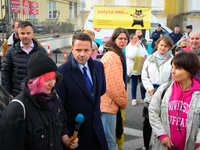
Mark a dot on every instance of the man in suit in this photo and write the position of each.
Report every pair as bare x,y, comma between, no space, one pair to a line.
80,90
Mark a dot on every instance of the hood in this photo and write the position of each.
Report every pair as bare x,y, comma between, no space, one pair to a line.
178,91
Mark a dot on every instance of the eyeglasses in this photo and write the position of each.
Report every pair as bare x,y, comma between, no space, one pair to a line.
125,39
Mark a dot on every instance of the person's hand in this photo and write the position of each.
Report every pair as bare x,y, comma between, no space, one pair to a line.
69,143
137,43
151,91
183,38
167,142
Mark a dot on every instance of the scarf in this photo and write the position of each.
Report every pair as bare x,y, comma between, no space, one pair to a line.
45,100
160,58
119,126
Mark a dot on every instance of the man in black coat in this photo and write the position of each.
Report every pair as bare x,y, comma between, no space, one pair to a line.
14,66
80,90
157,34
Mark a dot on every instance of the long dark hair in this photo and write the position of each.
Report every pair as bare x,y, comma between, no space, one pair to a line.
113,46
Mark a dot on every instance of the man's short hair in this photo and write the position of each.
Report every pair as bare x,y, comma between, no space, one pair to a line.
13,25
82,37
132,35
24,24
192,33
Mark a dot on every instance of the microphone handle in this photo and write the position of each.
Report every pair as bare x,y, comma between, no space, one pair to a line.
76,131
75,135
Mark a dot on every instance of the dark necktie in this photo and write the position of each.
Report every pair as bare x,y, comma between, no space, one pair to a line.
87,78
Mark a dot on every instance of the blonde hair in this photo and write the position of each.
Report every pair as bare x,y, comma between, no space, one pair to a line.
89,32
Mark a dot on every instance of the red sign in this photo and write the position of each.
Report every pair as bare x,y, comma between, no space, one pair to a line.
34,11
15,2
34,4
15,9
26,11
26,3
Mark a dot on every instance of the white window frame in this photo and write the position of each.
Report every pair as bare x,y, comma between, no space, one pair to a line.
52,10
72,13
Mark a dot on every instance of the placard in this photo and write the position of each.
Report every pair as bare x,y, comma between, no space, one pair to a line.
26,3
15,2
26,11
15,9
34,11
138,63
34,4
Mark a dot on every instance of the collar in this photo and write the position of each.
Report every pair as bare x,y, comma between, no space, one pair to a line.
31,46
132,43
81,66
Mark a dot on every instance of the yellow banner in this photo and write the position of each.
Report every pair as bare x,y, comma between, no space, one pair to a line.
128,18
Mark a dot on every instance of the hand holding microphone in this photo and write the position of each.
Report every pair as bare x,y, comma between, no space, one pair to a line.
79,120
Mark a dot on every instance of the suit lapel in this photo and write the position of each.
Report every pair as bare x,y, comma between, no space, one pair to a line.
79,78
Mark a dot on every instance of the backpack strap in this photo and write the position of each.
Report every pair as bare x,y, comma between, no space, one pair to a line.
16,100
164,91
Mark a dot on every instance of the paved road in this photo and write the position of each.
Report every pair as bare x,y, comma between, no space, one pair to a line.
134,120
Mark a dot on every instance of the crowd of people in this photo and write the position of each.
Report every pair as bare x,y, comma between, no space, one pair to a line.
93,82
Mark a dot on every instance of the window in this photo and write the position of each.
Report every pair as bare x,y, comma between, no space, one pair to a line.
32,16
73,9
52,10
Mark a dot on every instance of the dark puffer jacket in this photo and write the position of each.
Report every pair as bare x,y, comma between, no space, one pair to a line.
42,128
14,66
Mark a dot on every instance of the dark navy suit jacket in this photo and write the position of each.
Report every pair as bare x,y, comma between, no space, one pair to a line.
77,98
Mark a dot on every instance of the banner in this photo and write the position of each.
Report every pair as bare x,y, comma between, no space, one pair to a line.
34,11
15,2
34,4
15,9
26,3
26,11
125,17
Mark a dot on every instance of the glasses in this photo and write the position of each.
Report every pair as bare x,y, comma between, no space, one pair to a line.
125,39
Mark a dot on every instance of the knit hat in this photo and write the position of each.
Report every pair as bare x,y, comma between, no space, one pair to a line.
40,64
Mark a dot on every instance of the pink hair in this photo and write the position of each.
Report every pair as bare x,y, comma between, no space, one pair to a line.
37,85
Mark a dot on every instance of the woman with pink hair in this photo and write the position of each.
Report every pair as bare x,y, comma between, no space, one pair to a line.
38,119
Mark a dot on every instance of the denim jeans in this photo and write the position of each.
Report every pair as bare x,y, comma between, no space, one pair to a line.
109,126
134,83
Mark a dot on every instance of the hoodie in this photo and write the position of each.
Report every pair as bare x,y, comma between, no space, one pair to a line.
178,109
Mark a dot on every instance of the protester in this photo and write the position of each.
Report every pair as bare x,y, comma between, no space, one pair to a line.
156,69
104,40
15,36
176,35
42,124
157,34
138,32
14,66
175,117
95,53
116,95
91,34
80,91
194,43
133,49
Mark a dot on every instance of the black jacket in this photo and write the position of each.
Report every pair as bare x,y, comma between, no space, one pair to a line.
42,128
155,36
14,67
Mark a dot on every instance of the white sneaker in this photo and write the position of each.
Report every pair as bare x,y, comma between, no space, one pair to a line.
134,102
142,101
144,148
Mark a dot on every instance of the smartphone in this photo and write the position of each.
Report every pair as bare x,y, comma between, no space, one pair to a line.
185,34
